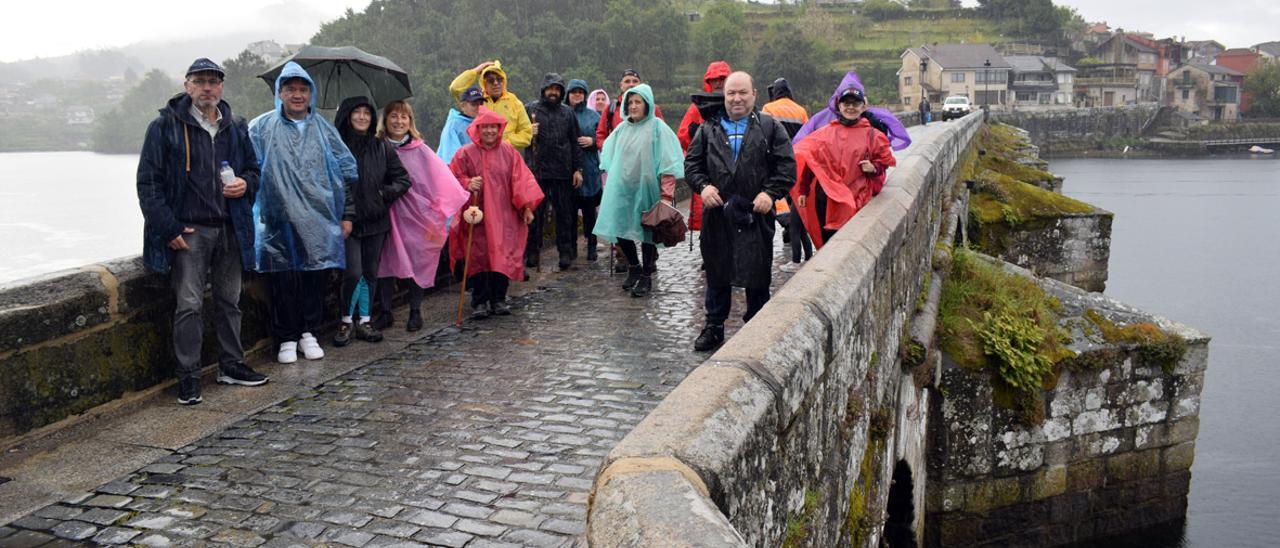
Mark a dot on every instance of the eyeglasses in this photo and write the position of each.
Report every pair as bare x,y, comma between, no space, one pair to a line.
202,82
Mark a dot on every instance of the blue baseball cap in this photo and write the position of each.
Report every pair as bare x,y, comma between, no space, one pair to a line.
203,64
471,95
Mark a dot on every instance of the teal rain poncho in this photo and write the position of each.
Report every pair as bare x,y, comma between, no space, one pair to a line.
636,156
454,135
298,212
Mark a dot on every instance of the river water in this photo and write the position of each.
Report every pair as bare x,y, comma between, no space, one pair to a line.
1195,240
66,209
1198,241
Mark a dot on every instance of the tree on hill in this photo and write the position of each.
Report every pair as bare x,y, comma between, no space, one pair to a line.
121,130
1263,87
719,34
1027,17
247,94
786,52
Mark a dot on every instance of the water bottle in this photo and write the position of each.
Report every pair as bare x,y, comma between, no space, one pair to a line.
226,174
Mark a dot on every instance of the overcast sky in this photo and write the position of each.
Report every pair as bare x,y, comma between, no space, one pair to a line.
46,28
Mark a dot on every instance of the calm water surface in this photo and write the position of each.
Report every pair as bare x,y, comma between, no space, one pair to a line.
66,209
1199,241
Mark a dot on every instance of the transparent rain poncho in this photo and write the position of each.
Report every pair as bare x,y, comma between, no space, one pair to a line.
636,156
298,212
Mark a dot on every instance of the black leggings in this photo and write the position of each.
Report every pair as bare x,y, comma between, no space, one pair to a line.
650,252
589,206
363,255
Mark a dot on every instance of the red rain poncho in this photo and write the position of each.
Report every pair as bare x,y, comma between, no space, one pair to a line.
508,189
717,69
419,219
832,155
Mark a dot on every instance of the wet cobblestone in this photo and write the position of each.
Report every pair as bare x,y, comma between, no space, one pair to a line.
488,435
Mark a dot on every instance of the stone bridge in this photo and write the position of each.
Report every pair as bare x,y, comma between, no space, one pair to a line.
585,418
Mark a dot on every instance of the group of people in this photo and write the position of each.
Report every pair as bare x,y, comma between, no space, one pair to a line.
292,196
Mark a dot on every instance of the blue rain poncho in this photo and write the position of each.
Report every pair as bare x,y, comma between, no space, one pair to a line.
636,156
298,212
454,135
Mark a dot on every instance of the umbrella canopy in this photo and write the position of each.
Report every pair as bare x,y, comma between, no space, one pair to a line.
347,72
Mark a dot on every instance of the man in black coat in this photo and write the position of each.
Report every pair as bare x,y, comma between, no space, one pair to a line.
197,228
740,162
555,159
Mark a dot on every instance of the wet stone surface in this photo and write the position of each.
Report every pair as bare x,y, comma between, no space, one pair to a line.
488,435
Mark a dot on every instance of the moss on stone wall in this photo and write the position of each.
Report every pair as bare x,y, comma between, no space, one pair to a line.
862,520
1152,345
798,527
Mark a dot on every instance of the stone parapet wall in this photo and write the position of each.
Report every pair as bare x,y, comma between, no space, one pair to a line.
1072,248
1071,130
1113,453
790,432
75,339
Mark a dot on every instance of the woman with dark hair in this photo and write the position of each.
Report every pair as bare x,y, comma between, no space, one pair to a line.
364,218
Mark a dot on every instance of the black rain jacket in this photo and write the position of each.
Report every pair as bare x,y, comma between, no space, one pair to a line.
383,179
555,153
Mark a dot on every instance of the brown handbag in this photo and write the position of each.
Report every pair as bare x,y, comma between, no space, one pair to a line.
666,224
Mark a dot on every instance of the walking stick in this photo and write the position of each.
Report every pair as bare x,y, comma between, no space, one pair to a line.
471,216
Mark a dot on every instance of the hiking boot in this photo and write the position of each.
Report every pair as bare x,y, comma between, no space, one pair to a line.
367,333
711,337
499,308
343,336
591,250
240,374
288,352
643,286
384,320
564,265
633,276
189,391
415,321
310,347
480,311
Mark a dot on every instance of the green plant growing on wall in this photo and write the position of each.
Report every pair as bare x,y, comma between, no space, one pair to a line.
1014,339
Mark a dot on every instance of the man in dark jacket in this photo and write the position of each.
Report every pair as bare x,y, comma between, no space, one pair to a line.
365,219
740,162
199,229
555,159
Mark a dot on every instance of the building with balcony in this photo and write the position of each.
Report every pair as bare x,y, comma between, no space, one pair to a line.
1123,72
1038,80
976,71
1211,92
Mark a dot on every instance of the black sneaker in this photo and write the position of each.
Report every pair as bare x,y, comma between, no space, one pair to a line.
383,320
499,309
591,253
368,333
241,374
712,336
189,392
480,312
643,286
564,265
343,336
415,321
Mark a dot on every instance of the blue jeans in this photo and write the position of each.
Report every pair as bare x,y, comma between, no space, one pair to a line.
213,258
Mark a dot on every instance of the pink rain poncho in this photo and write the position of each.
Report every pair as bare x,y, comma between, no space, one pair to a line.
419,219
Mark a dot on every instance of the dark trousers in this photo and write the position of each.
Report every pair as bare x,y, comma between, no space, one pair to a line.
590,208
720,300
297,303
559,199
214,258
488,287
820,206
387,290
649,252
363,255
796,235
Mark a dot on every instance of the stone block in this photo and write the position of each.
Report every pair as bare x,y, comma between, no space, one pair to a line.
658,508
1086,475
47,307
1183,430
1146,413
1090,422
1133,465
1178,457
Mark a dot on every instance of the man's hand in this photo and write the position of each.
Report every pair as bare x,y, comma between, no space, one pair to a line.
528,216
178,244
762,204
800,201
235,189
867,167
535,128
577,179
711,197
586,142
480,68
474,184
346,229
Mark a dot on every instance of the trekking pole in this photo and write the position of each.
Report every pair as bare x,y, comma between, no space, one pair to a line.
471,216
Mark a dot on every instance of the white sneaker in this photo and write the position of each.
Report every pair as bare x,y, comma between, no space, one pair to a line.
288,352
310,347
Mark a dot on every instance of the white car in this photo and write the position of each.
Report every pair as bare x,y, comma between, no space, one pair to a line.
955,106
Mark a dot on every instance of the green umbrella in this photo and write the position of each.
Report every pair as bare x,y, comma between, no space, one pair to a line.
345,72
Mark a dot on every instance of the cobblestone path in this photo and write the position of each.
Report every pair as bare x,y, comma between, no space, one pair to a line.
486,436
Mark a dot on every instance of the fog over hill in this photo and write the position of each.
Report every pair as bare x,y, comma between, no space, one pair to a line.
170,56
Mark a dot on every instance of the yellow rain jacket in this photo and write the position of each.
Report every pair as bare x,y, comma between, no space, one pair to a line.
519,132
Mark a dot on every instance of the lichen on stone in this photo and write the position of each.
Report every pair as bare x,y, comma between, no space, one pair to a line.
1151,345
